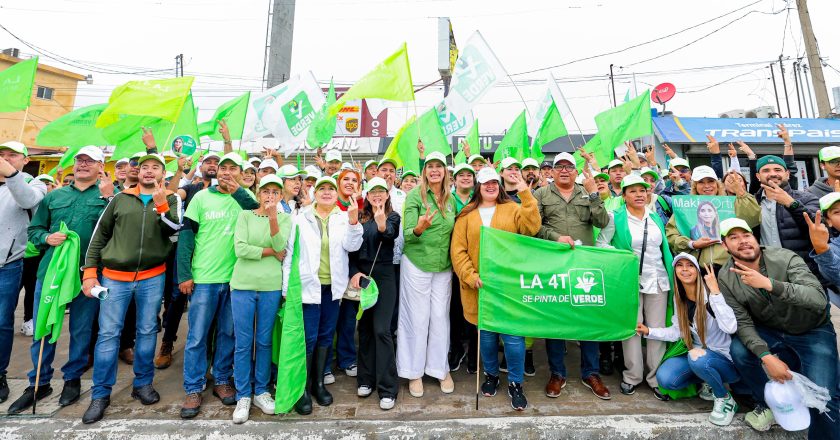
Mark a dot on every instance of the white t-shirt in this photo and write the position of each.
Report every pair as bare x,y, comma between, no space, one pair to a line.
486,215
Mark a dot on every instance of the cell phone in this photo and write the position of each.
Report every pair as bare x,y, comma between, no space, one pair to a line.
364,282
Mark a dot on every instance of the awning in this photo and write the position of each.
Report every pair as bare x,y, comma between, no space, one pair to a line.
672,129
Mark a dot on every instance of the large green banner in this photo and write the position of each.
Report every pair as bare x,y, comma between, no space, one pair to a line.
545,289
700,216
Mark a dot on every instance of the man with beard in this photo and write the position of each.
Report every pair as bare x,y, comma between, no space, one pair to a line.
531,173
133,270
784,324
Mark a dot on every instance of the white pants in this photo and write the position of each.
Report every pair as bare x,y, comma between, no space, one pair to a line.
423,329
652,309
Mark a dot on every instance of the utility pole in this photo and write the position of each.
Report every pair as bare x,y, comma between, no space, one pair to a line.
808,87
811,49
279,33
796,85
179,65
784,84
612,82
775,90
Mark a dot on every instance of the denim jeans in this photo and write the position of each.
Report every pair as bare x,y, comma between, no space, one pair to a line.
249,306
812,354
83,312
208,303
319,321
713,368
147,295
345,333
514,347
556,349
10,275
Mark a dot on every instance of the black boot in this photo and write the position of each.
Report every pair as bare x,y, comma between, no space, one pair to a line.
319,391
304,404
26,400
71,392
4,389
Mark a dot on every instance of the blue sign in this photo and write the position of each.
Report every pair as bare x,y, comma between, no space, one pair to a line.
749,130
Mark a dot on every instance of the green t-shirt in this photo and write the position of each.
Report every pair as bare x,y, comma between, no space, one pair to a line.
253,234
213,257
324,268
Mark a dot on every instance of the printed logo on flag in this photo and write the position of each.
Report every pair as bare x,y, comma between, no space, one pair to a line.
587,287
299,113
477,75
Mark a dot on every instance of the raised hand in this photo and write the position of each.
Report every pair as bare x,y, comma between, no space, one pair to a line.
224,131
353,209
734,184
6,169
588,181
421,148
424,221
270,208
319,160
752,277
712,144
519,183
732,152
669,151
744,148
106,186
783,133
711,280
818,232
148,138
159,195
773,192
632,155
379,216
466,147
650,155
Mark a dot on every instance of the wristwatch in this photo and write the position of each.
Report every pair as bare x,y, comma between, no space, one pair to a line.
795,205
594,196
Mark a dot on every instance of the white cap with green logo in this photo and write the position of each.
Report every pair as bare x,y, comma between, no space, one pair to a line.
15,146
733,223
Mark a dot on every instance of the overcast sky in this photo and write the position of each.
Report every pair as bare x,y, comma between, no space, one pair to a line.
223,45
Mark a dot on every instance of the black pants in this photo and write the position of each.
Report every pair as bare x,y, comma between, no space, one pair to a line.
27,283
457,323
174,302
396,316
376,357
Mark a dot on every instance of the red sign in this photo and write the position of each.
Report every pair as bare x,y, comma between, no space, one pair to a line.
663,93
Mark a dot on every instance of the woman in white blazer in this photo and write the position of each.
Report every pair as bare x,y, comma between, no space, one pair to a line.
327,236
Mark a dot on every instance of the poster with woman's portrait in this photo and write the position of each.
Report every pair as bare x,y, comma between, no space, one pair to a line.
700,216
183,145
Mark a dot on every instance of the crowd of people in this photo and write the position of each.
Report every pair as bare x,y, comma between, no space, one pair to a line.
746,293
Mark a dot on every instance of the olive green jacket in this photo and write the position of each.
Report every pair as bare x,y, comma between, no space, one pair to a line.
575,217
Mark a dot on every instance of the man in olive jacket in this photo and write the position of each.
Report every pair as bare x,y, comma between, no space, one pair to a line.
782,313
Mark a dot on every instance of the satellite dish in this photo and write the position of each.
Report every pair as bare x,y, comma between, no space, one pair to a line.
663,93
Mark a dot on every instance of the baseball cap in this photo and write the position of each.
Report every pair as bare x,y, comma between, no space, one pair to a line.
679,162
829,153
211,156
45,178
461,167
703,172
333,156
152,156
564,156
615,163
270,178
15,146
122,160
487,174
389,160
650,171
249,166
326,180
733,223
476,157
377,182
604,176
770,159
685,256
269,163
169,175
312,172
509,162
254,160
829,199
290,171
435,155
787,405
545,164
233,157
92,152
138,155
530,163
369,163
410,173
633,179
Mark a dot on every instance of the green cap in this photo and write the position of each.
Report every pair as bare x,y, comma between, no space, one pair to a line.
829,199
604,176
829,153
152,156
270,178
325,180
236,158
770,160
633,179
389,160
409,173
649,171
733,223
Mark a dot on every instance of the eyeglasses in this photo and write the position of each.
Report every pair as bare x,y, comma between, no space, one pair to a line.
85,161
564,167
134,163
682,170
833,162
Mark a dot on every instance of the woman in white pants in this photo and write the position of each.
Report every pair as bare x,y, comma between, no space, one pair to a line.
425,276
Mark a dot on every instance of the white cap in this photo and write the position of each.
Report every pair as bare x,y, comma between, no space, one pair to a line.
785,400
270,178
729,224
333,156
326,179
290,171
435,155
198,174
92,152
376,182
233,157
269,163
529,162
169,175
679,162
633,179
45,178
211,156
254,160
15,146
249,166
615,163
564,156
123,160
464,166
476,157
312,172
347,166
369,163
702,172
487,174
829,153
152,156
509,162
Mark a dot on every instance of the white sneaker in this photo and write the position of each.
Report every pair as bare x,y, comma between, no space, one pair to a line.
329,379
243,408
351,371
706,392
265,403
723,411
386,403
364,391
27,328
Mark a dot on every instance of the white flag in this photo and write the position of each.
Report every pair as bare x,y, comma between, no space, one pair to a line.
285,111
476,71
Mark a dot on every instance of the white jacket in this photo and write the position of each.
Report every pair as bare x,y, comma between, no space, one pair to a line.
344,238
719,328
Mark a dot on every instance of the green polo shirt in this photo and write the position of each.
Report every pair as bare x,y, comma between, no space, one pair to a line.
430,251
459,205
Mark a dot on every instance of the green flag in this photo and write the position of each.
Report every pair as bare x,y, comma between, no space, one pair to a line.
515,143
75,129
127,133
552,127
233,112
61,285
390,80
472,141
159,98
16,85
627,121
403,147
603,153
545,289
323,127
291,348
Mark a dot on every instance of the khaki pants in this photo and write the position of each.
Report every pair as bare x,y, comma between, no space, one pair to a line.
652,308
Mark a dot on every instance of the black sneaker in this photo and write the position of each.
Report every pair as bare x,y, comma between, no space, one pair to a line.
472,362
658,394
96,410
605,366
456,358
627,389
26,400
491,383
517,396
530,371
4,389
146,394
70,393
503,364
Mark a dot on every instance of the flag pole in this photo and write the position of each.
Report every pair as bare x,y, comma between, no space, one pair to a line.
566,103
23,126
38,375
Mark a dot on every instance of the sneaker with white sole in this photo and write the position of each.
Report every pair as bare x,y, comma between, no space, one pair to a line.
329,378
723,411
265,403
706,393
386,403
27,328
760,419
243,409
364,391
351,371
